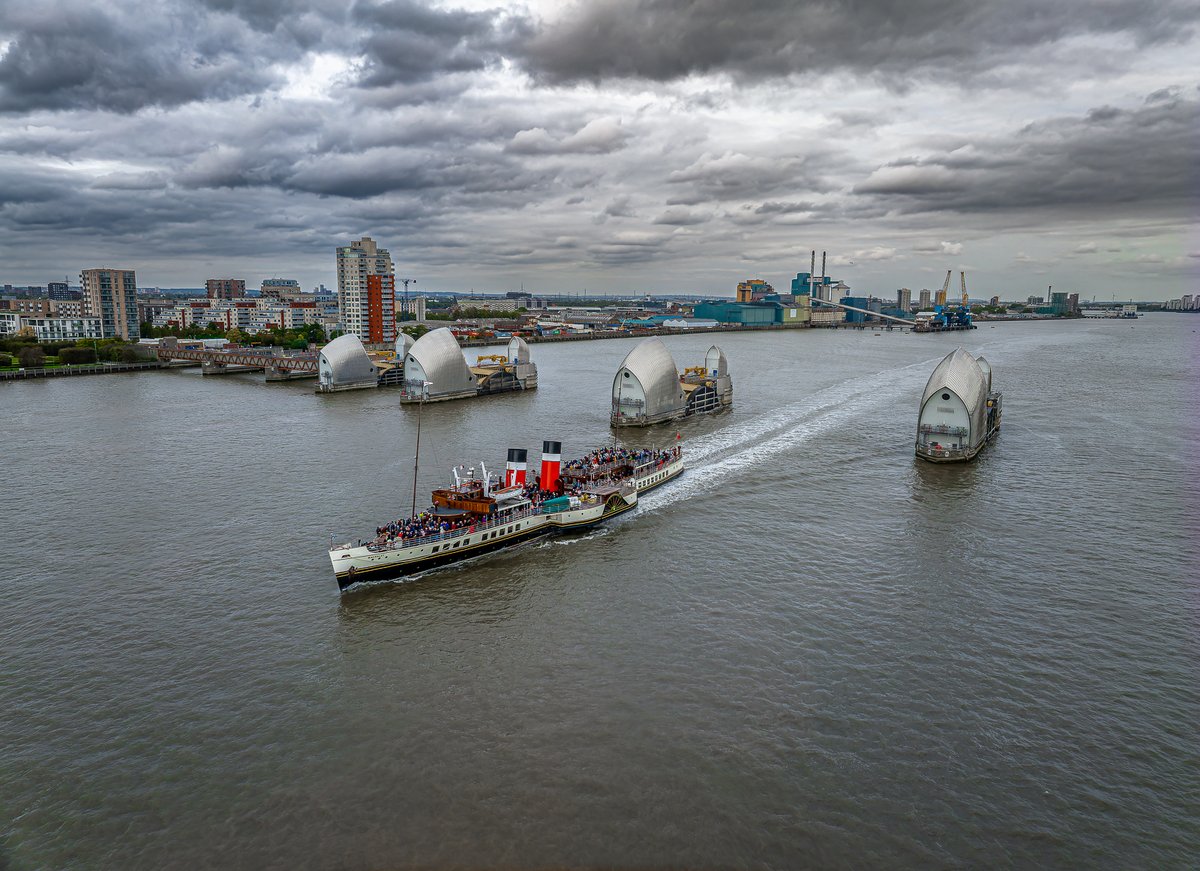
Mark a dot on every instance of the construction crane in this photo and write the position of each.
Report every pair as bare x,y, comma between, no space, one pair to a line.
963,276
940,299
407,306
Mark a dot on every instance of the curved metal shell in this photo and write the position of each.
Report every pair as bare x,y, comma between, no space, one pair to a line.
518,350
959,374
648,376
987,371
715,362
436,357
345,361
403,342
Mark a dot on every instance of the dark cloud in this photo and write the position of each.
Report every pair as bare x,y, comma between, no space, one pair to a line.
76,55
409,42
1140,159
671,39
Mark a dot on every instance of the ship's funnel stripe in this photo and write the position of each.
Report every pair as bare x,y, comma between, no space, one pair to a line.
551,463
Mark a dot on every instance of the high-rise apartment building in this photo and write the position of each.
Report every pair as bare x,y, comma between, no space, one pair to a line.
111,295
926,299
225,288
904,299
367,290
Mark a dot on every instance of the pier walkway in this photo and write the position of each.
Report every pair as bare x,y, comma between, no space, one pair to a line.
85,369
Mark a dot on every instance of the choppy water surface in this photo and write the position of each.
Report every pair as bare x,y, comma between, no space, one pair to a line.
809,651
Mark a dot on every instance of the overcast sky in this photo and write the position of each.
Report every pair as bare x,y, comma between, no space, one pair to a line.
608,145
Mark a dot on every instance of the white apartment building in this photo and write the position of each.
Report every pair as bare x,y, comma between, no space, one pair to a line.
51,329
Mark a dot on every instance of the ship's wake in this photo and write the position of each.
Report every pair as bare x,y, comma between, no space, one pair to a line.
746,445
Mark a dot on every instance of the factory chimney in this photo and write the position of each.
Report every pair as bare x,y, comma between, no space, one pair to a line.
823,282
812,273
551,462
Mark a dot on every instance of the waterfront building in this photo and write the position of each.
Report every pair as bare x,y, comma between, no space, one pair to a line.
111,295
904,299
51,329
926,299
225,288
738,313
367,290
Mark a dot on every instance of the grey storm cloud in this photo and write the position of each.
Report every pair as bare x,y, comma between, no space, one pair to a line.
410,42
1110,157
670,39
67,54
270,130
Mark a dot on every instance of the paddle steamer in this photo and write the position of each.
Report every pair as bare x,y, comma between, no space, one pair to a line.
482,513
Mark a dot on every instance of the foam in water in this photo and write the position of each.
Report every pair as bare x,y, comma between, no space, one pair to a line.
749,444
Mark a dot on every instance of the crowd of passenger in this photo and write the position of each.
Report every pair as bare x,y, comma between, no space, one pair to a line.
615,456
428,523
424,524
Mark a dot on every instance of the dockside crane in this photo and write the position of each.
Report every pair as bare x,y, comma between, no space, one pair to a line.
963,276
940,300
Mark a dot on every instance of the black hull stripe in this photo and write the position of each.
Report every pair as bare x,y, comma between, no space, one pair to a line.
399,570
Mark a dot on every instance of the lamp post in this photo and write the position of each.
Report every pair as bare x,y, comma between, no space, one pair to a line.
417,455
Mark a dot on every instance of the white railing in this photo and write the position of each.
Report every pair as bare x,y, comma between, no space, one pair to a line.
400,543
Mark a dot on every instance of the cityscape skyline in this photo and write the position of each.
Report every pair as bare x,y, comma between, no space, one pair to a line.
573,149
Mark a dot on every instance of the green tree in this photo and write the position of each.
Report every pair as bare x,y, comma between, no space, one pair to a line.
77,356
32,357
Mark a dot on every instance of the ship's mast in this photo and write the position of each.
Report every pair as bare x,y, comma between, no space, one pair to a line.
417,454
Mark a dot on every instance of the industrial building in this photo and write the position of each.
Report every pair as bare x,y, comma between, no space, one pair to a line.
959,410
648,389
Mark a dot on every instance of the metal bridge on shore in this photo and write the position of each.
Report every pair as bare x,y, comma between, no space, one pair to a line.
277,365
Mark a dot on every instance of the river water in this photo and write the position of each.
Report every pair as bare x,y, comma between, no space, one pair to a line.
811,650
